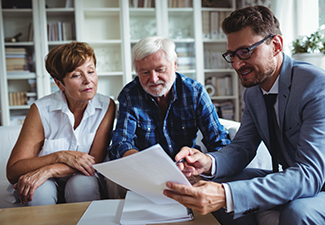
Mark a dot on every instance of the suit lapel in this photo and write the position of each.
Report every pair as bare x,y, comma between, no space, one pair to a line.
284,87
260,113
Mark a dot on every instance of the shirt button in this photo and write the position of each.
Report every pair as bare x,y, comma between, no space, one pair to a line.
148,128
183,128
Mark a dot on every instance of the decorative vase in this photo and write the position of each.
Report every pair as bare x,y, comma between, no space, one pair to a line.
317,59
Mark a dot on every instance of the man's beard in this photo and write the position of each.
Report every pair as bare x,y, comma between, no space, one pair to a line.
163,90
259,78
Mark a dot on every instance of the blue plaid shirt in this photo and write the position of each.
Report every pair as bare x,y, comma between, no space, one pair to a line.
140,123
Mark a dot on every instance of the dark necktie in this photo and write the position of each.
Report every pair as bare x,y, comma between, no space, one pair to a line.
271,119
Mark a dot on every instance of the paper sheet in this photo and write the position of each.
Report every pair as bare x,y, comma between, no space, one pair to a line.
140,210
102,212
145,173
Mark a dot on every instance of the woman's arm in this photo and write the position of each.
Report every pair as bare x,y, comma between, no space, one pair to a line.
103,134
23,158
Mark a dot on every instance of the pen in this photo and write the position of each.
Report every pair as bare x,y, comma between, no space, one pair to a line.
182,160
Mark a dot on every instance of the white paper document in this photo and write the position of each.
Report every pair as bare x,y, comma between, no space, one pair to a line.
145,173
102,212
140,210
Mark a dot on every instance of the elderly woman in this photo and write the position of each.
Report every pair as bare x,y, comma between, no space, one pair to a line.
64,133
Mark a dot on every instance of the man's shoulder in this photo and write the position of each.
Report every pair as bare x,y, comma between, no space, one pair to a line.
188,82
131,88
304,74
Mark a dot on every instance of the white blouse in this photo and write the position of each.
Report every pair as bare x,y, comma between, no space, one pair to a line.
58,123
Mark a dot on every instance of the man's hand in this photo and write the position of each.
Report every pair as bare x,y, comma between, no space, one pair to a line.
203,197
78,160
29,182
195,162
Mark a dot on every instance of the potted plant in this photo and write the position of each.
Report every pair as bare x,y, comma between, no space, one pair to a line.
310,49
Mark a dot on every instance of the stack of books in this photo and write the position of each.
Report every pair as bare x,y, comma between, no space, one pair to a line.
225,110
142,3
213,60
185,57
211,23
222,85
17,98
180,3
61,31
16,59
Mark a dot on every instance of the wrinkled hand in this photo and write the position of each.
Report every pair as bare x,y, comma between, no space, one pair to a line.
29,182
196,162
203,197
78,160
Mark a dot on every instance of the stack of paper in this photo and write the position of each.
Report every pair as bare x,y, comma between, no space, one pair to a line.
140,210
145,174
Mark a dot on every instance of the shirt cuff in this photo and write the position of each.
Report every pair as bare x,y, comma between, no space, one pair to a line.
213,168
229,201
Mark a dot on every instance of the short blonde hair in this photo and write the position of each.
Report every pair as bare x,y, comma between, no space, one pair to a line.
63,59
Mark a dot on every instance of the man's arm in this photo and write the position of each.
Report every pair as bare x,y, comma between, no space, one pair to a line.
214,135
124,134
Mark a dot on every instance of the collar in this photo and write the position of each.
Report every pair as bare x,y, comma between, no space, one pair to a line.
60,104
274,89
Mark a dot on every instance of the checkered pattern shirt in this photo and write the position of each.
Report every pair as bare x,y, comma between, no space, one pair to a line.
140,123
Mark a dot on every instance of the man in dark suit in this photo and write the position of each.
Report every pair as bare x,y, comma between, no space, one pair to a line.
296,140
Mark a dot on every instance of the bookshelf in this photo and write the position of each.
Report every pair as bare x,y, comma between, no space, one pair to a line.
219,76
19,80
112,27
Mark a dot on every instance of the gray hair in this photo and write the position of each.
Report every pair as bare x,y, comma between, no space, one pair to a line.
150,45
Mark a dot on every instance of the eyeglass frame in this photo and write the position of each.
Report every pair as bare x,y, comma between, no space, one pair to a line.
249,49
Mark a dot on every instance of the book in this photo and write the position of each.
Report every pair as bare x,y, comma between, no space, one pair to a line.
30,32
222,16
214,25
206,24
60,31
67,30
17,98
15,51
15,61
225,110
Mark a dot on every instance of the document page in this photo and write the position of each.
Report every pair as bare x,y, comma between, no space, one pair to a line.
139,210
145,173
106,212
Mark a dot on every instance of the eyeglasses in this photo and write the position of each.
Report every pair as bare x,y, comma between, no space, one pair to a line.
244,53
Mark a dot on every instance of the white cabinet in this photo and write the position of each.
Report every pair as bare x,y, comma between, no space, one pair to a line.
19,70
100,24
220,79
112,27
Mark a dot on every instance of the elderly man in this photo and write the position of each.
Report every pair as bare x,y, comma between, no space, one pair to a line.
163,106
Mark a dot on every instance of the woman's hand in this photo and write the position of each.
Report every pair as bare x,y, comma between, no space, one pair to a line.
78,160
29,182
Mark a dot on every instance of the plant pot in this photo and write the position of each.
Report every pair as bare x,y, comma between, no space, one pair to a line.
317,59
